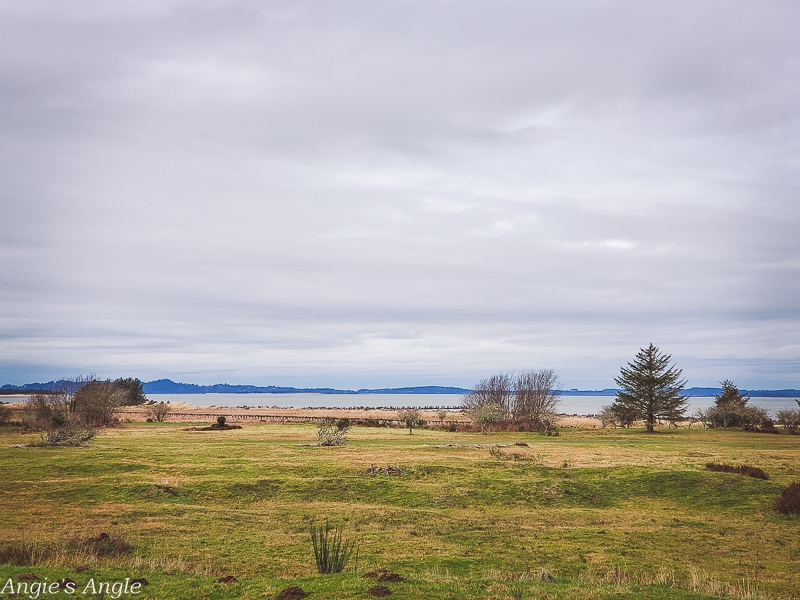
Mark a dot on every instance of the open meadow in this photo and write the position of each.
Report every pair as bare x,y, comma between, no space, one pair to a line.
591,513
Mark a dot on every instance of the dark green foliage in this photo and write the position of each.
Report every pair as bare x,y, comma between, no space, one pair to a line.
789,501
618,415
731,410
740,469
651,388
331,551
221,420
132,391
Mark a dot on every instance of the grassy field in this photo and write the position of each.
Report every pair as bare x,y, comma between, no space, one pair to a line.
588,514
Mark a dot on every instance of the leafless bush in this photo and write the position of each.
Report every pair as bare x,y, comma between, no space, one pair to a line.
536,399
5,414
496,391
332,432
410,417
789,419
96,403
486,416
68,434
158,411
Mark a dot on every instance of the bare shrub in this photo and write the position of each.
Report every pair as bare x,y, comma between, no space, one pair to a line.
332,432
158,411
96,403
5,414
411,417
486,416
536,398
790,420
67,434
55,415
788,503
496,391
618,415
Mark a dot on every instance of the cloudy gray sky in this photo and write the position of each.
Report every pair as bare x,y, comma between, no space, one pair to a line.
364,194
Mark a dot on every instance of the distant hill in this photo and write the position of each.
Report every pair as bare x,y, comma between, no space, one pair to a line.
167,386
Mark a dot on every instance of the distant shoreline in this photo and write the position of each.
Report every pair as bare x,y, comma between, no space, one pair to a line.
167,386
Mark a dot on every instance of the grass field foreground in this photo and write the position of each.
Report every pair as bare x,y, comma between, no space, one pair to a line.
587,514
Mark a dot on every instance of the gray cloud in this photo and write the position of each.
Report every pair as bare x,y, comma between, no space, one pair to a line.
386,194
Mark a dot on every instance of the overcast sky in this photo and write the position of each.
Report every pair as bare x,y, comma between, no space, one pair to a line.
368,194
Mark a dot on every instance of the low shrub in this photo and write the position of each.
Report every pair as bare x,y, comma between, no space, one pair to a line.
332,432
789,420
788,503
102,545
20,555
29,554
67,434
5,414
740,470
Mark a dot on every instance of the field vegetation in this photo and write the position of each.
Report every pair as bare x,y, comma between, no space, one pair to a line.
602,513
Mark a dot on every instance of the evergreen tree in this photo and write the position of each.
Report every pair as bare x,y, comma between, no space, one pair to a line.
730,407
651,387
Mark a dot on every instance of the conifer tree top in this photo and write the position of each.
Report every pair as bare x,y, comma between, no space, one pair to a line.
652,387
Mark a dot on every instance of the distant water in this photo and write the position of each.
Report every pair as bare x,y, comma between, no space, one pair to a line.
577,405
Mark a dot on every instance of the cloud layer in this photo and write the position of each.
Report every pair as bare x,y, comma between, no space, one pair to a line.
370,194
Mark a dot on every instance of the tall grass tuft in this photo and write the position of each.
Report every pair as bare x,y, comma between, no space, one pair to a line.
331,551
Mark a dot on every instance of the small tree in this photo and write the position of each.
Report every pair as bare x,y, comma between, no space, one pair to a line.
158,411
496,390
536,398
48,410
487,415
651,388
131,390
5,414
96,403
332,432
730,407
789,419
410,417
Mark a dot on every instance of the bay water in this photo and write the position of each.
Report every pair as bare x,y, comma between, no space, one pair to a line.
571,405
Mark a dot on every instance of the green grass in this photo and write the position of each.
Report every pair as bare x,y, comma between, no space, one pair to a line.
588,514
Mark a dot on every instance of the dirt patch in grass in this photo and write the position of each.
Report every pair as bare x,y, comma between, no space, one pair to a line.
292,593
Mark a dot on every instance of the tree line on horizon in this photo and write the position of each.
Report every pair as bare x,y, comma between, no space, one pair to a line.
650,390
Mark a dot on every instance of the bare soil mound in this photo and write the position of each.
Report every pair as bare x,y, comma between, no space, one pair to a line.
292,593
